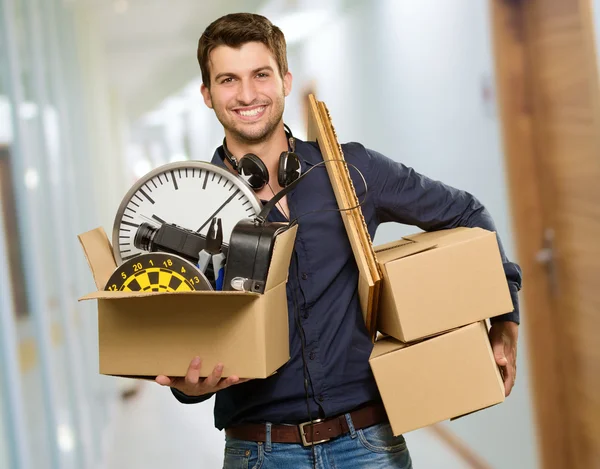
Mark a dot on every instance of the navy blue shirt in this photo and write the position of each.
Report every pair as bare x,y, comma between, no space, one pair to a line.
323,280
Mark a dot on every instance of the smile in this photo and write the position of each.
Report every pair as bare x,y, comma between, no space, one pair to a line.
251,114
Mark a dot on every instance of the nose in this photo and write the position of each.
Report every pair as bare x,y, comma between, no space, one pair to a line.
247,92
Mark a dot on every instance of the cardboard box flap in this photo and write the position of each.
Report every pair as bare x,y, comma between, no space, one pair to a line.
451,236
386,345
106,294
402,248
99,255
280,260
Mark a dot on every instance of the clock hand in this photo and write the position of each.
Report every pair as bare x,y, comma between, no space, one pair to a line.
217,211
152,220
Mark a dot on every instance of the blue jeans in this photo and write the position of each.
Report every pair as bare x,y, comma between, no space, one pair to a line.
374,447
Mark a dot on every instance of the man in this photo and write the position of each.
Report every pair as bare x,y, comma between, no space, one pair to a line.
245,81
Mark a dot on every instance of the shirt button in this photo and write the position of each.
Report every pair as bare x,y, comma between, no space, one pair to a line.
321,398
312,355
304,276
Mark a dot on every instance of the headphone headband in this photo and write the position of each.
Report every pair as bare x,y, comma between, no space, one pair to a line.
254,172
233,160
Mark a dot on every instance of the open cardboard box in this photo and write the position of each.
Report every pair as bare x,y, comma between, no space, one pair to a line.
439,378
437,281
145,334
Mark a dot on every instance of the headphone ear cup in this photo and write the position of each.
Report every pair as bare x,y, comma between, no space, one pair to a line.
289,168
253,171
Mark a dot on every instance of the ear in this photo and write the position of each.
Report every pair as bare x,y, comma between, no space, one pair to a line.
206,95
287,83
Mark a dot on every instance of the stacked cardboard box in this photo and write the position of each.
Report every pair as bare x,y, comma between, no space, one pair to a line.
438,289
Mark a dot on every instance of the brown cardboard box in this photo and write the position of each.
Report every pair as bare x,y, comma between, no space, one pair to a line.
437,281
144,334
442,377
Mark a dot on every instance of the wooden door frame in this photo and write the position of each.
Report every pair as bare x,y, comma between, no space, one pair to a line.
514,80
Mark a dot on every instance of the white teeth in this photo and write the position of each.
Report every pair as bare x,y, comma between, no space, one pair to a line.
253,112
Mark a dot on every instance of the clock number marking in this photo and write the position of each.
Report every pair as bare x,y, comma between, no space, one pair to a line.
205,180
130,224
159,220
174,181
147,196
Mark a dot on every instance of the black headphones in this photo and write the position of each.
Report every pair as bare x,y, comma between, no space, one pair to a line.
254,172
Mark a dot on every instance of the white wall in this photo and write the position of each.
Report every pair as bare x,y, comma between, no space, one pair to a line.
406,78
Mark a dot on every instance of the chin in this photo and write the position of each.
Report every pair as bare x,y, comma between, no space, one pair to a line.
258,134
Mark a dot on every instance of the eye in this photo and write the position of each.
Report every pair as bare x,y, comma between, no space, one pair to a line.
227,80
262,75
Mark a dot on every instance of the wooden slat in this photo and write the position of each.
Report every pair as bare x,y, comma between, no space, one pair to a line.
466,454
321,130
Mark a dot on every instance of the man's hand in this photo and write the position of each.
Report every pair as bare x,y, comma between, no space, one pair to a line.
193,385
503,337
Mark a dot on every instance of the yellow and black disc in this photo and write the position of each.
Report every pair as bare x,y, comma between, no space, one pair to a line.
157,271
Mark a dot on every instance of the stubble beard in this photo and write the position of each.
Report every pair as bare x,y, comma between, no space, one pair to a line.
255,136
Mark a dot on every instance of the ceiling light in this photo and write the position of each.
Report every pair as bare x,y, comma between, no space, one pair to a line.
66,439
299,25
32,179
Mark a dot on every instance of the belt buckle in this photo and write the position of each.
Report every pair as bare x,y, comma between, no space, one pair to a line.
303,435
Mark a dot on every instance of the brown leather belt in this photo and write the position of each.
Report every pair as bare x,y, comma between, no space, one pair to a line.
322,429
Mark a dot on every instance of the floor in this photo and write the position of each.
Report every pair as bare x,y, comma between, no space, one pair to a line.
153,430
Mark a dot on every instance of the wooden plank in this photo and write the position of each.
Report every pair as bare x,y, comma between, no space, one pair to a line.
321,130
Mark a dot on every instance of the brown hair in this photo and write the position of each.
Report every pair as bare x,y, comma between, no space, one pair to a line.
237,29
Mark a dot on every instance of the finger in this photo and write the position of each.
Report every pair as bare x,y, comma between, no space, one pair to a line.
225,383
214,378
509,381
193,373
163,380
499,354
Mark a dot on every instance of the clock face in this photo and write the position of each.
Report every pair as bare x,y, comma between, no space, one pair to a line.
188,194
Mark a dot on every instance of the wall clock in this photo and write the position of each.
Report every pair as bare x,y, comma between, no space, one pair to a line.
188,194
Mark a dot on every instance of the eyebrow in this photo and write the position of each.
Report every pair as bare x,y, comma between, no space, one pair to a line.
255,71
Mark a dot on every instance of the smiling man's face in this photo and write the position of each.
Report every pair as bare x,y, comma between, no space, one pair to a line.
246,91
